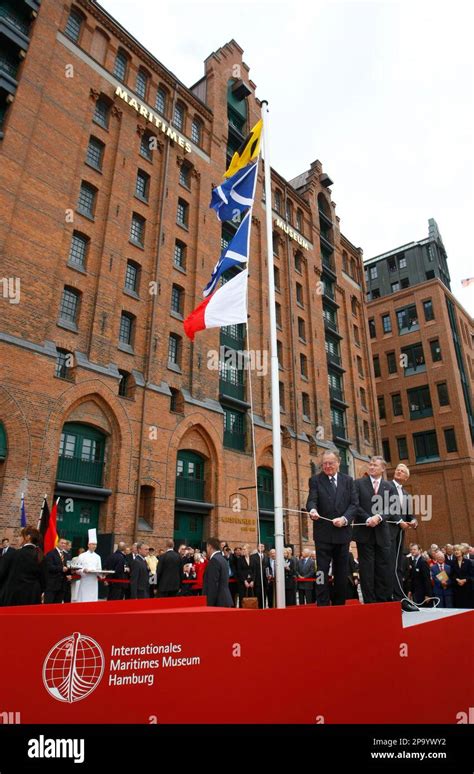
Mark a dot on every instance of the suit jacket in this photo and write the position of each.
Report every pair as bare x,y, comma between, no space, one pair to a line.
245,572
306,569
438,589
419,578
139,586
374,505
117,562
169,573
26,578
8,552
290,573
332,505
55,575
216,582
257,573
400,511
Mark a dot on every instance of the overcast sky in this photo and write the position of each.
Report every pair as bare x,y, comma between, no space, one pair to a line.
380,92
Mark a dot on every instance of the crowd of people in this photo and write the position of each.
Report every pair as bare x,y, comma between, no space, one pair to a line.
359,528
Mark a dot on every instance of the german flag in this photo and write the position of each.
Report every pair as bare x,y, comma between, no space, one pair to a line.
247,152
47,526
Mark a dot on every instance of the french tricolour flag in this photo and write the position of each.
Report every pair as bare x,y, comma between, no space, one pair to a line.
227,306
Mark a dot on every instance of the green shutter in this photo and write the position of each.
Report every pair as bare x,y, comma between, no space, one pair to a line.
3,442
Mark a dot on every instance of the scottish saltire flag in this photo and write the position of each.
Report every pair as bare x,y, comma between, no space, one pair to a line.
22,511
236,193
227,306
248,151
235,254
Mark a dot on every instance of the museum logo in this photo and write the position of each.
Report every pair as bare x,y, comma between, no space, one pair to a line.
73,668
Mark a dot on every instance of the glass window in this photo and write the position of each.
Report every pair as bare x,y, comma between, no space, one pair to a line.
126,328
363,398
78,249
402,448
402,262
276,276
397,407
450,440
63,364
428,310
306,405
178,116
376,365
282,395
413,359
381,405
174,349
304,366
95,153
142,185
69,305
407,319
372,328
419,402
278,314
373,272
177,297
395,287
301,329
426,446
87,197
182,213
299,294
391,363
137,230
67,445
120,67
196,131
386,323
101,113
73,25
160,103
131,277
435,350
180,254
141,83
185,175
443,395
386,450
146,143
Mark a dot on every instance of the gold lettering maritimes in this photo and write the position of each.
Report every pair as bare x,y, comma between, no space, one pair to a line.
292,233
150,116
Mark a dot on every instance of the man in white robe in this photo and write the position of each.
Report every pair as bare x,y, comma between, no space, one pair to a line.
88,565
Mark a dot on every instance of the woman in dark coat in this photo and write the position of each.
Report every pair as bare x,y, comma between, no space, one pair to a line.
245,575
25,575
461,576
290,579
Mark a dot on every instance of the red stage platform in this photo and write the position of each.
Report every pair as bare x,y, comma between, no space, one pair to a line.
151,661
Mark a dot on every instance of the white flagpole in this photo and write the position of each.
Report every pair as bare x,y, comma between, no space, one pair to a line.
276,426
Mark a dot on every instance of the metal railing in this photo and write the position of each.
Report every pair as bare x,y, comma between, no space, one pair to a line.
75,470
190,488
15,21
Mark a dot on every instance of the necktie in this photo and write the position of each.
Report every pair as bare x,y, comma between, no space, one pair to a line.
333,483
376,486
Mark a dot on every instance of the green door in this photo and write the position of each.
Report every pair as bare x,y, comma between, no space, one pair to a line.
75,518
188,529
267,532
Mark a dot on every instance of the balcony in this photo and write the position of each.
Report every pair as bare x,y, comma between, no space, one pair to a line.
331,324
7,67
14,28
75,470
234,440
339,431
265,500
417,368
333,358
326,244
232,390
232,341
323,218
336,394
421,413
329,267
190,488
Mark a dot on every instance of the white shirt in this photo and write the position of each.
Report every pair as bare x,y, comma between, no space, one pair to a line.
89,583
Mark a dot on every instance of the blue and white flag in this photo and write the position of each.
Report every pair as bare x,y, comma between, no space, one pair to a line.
22,511
235,194
235,254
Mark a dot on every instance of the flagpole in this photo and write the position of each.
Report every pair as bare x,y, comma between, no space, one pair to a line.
276,426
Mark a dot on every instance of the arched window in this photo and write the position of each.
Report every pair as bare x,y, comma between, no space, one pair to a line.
278,201
99,45
141,85
179,116
121,65
161,99
74,25
196,131
146,510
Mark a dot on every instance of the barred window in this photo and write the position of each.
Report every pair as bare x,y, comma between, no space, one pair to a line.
174,349
142,185
126,328
78,249
137,229
182,215
95,153
146,143
180,254
63,364
68,309
141,83
120,67
160,103
196,131
73,25
131,277
178,117
177,298
87,199
102,112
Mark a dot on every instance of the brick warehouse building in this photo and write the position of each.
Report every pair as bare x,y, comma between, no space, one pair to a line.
107,166
425,400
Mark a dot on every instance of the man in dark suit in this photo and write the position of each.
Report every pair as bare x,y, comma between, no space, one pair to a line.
401,512
118,563
56,572
258,567
216,577
419,577
6,548
441,579
129,559
332,504
169,572
372,534
139,580
306,568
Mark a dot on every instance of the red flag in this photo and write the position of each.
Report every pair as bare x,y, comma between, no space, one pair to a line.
47,526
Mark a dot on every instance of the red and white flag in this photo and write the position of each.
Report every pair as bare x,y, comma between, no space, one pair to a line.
227,306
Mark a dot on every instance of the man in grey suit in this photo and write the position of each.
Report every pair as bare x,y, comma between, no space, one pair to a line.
401,511
306,568
216,577
372,534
